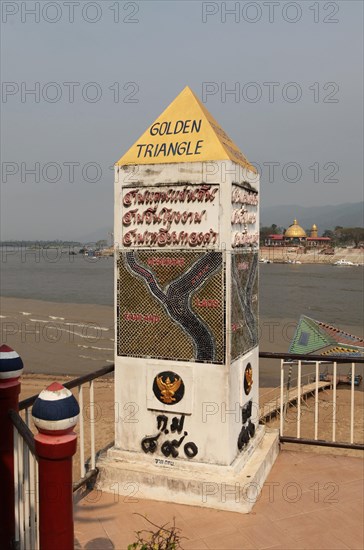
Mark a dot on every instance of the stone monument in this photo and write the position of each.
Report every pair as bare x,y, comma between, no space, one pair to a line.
186,317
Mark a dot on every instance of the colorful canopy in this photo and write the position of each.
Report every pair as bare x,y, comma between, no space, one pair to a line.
316,337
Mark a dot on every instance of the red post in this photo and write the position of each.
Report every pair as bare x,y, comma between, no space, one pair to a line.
9,398
11,367
55,490
55,413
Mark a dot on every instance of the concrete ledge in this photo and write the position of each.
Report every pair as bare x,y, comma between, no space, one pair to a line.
234,488
184,464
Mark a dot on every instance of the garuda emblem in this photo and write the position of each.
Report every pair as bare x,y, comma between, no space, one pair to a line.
248,379
168,388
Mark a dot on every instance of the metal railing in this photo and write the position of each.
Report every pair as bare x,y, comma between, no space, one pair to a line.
26,474
25,485
292,392
302,378
88,469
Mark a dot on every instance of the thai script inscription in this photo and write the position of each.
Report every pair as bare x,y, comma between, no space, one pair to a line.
245,201
244,196
202,193
170,447
164,238
165,216
244,239
242,215
168,216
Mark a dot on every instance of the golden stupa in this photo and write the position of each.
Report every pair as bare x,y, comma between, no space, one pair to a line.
295,231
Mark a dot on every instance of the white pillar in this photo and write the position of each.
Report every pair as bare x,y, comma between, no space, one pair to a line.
186,297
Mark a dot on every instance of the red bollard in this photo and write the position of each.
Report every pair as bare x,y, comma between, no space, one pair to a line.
55,490
11,367
55,413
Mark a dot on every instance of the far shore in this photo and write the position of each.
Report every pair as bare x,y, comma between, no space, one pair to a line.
288,254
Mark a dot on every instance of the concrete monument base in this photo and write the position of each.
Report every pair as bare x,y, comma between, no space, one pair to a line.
234,488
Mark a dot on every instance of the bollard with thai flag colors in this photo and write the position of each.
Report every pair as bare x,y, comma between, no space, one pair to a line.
55,413
11,368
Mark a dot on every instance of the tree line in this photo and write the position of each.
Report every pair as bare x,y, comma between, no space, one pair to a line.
345,235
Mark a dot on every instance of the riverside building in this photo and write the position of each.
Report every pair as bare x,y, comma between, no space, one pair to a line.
295,235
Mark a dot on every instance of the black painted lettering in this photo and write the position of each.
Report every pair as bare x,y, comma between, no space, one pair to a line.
188,148
163,128
198,146
162,149
148,150
186,127
181,148
140,148
196,126
178,126
154,129
172,149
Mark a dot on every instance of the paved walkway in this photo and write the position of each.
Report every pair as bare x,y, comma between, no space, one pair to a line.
274,405
311,501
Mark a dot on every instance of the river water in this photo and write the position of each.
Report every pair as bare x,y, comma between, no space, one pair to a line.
329,293
326,293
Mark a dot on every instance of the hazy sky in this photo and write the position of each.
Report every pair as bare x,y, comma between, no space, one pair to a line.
296,67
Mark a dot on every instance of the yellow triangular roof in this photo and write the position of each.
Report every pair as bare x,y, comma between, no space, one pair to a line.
184,132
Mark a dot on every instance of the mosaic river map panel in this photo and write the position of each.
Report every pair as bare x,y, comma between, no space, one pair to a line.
171,305
244,303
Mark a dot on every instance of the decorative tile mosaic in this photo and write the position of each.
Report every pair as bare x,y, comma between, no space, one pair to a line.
171,305
244,303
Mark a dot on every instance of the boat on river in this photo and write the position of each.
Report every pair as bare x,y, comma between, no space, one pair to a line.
341,378
344,262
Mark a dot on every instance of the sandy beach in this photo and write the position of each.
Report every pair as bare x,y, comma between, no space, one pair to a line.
60,341
325,417
72,339
58,338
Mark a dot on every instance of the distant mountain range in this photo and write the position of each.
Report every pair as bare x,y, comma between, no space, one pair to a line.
96,235
325,217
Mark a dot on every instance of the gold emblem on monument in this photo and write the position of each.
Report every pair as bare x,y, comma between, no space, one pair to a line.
248,379
168,389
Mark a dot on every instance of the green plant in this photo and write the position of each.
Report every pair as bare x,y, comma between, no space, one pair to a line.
164,538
